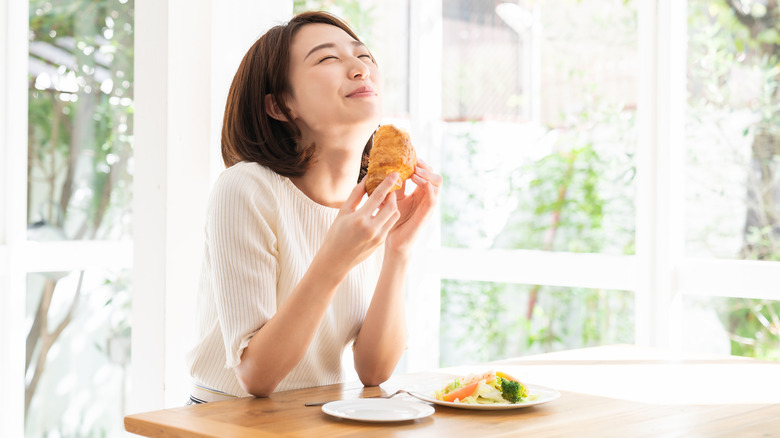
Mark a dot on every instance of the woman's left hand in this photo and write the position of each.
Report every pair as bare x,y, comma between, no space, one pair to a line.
415,208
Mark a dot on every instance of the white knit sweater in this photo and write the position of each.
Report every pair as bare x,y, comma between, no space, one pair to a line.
261,234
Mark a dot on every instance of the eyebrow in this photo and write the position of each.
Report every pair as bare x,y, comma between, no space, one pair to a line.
329,46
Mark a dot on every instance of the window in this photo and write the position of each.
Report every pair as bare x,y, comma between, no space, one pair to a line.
79,189
732,172
539,107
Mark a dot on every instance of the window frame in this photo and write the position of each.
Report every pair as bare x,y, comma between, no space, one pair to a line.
13,128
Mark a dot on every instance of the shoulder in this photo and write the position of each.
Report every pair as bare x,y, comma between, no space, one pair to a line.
246,186
245,177
246,180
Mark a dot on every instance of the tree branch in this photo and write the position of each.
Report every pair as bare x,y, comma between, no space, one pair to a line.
42,338
748,20
52,175
31,159
78,135
48,339
756,25
38,326
549,237
71,310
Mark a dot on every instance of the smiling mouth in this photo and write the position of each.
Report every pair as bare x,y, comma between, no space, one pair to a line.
362,92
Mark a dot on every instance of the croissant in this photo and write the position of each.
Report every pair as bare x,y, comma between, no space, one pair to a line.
392,152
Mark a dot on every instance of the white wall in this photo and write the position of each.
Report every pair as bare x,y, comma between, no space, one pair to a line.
424,279
186,55
14,17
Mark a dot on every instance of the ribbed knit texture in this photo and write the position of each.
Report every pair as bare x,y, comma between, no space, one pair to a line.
262,233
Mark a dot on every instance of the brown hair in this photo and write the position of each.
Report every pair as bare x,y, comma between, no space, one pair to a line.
249,133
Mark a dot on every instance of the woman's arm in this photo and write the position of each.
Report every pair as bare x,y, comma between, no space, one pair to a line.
281,343
382,338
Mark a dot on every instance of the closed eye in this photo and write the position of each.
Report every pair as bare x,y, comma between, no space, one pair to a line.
367,56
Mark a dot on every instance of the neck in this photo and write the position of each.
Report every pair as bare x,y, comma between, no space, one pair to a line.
335,169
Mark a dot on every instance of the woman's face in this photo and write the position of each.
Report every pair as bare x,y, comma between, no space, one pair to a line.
335,82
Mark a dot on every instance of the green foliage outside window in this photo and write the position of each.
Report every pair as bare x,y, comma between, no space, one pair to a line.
562,198
733,47
79,188
560,202
80,117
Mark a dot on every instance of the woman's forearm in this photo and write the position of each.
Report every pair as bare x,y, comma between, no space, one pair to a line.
282,342
382,338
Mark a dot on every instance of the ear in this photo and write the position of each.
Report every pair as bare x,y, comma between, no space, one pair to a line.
273,109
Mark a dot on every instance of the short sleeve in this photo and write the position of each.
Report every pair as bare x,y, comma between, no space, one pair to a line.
243,251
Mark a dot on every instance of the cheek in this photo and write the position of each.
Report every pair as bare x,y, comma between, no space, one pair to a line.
318,86
306,97
378,79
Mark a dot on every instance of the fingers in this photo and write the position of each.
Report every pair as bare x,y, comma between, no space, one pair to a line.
423,164
422,183
431,190
352,202
429,175
380,192
418,180
391,222
425,172
401,193
388,214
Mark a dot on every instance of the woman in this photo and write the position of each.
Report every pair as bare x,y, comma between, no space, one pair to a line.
295,268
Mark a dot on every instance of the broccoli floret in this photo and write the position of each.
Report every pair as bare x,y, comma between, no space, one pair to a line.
512,391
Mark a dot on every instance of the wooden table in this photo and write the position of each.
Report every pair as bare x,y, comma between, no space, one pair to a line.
614,391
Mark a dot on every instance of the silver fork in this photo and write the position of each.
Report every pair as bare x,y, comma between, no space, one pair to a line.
400,391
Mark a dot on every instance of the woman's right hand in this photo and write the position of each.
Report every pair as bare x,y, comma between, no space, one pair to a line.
357,232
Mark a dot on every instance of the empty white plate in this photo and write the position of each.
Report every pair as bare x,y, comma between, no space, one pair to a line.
377,410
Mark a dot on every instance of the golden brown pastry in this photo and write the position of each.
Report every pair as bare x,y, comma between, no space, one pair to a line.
392,152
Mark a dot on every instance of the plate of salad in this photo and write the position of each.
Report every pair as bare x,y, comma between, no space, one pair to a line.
489,391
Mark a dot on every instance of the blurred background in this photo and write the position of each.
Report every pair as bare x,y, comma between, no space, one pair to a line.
535,121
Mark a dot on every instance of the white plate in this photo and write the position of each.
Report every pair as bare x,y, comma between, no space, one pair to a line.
545,395
377,410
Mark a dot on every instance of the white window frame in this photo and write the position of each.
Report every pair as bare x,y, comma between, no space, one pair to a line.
423,295
13,129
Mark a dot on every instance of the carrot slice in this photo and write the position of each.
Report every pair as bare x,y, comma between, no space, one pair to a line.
461,393
506,376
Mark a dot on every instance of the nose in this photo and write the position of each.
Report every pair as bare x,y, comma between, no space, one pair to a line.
358,69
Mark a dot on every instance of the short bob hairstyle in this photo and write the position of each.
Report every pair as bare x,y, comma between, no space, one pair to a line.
249,133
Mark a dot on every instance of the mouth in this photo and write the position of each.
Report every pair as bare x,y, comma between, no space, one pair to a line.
362,92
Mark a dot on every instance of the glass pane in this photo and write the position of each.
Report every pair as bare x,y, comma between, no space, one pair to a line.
79,177
539,101
483,321
738,326
733,130
78,353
